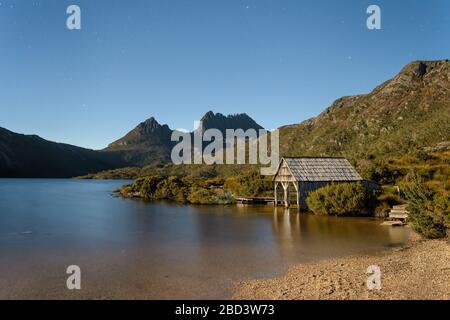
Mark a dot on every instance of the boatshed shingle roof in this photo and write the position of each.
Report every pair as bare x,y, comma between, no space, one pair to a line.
322,169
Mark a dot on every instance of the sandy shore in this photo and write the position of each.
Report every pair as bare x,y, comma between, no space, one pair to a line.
418,270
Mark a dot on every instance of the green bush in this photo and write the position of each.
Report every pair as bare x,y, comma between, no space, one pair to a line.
380,172
147,186
390,196
422,156
249,184
198,195
382,209
186,190
340,199
429,212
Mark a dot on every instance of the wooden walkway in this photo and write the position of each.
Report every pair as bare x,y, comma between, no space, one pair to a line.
256,200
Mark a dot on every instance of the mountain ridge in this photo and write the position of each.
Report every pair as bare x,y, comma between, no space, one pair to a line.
407,113
25,156
150,142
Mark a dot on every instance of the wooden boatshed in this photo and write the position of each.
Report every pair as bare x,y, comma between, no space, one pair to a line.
306,174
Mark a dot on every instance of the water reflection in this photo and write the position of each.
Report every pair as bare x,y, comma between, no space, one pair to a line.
288,236
130,248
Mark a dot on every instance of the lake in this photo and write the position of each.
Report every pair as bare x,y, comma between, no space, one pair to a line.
132,249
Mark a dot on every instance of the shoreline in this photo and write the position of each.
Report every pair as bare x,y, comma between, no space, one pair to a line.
418,270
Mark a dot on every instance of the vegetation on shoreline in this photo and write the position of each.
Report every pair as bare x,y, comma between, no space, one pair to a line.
432,169
348,199
221,184
198,189
429,211
185,190
194,170
115,174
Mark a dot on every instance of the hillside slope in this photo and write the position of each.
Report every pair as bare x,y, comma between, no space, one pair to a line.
407,113
29,156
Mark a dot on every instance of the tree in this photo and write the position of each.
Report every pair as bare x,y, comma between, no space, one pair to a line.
429,212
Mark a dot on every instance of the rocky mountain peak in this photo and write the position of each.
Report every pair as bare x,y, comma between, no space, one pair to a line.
210,114
147,132
150,142
150,125
232,121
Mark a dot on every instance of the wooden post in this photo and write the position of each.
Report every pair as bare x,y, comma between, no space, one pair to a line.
286,196
275,193
297,188
285,186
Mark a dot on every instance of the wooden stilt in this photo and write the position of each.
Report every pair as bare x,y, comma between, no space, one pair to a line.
288,202
275,193
297,189
285,186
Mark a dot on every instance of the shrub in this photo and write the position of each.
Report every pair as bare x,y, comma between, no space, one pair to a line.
441,206
382,209
340,199
248,184
232,185
429,212
147,186
380,172
171,188
208,172
198,195
185,189
422,156
388,198
391,198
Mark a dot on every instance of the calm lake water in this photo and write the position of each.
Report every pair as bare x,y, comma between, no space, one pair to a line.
132,249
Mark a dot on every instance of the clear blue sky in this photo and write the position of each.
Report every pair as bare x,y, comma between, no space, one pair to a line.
280,61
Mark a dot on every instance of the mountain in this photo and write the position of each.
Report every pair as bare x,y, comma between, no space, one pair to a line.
234,121
404,114
148,143
29,156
